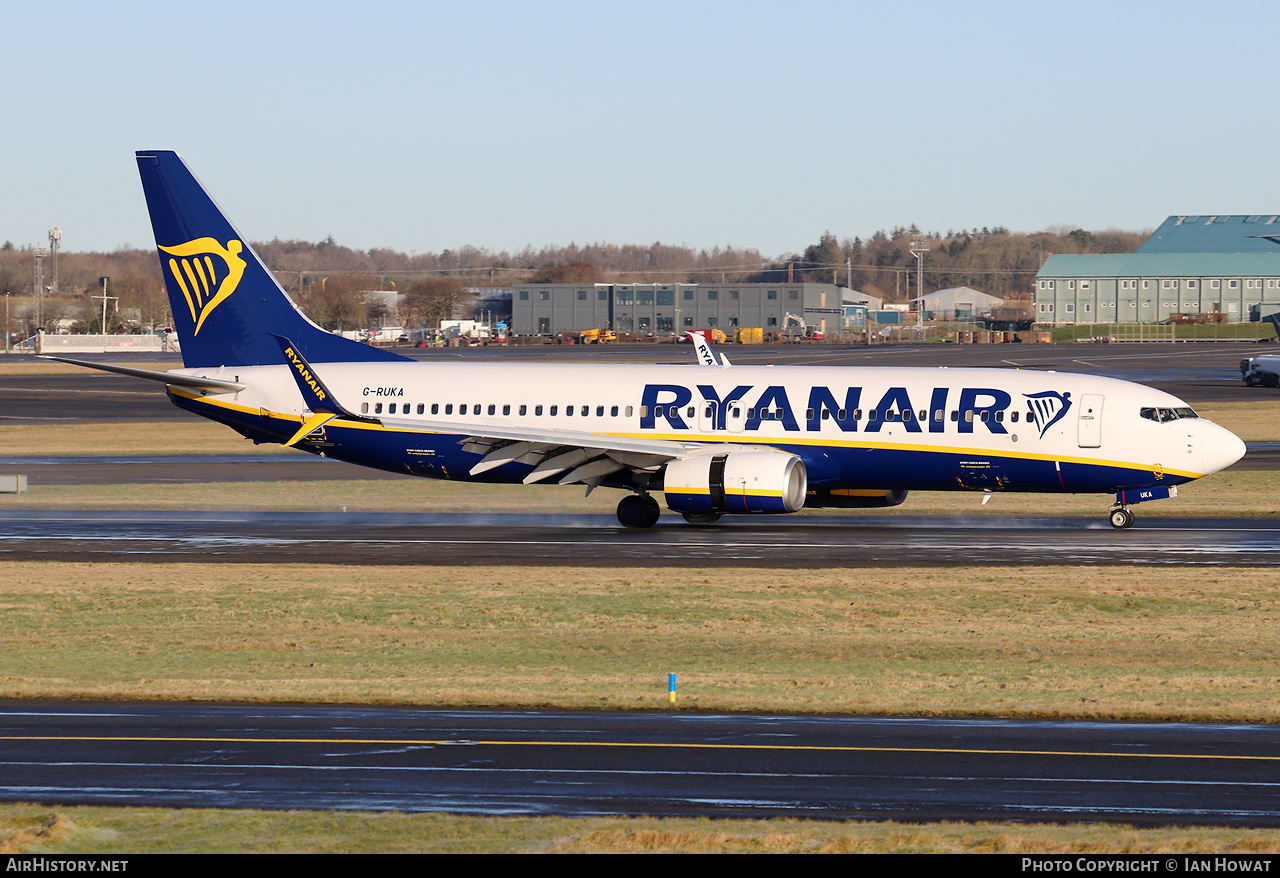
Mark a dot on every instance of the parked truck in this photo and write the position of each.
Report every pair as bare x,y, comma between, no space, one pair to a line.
464,332
1264,371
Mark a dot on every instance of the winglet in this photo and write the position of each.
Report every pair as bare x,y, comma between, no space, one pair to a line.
318,398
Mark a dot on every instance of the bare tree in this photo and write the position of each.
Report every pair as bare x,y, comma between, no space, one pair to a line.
335,302
430,301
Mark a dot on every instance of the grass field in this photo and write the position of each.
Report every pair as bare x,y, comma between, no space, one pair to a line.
1086,642
123,831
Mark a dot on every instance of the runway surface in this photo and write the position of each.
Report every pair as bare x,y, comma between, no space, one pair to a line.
576,764
594,540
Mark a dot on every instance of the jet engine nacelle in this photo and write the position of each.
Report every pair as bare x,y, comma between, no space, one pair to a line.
736,483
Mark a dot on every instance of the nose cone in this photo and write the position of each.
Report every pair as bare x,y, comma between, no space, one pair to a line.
1221,447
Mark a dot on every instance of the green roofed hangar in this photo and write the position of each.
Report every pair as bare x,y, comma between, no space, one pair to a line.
1210,268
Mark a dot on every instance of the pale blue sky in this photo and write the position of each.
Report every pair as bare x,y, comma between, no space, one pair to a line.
425,126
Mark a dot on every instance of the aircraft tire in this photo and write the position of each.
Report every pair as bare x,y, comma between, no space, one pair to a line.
700,517
1121,518
638,510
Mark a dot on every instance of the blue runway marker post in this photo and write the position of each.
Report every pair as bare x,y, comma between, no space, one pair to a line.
671,689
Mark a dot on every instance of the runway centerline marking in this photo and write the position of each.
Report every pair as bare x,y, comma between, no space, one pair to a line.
440,742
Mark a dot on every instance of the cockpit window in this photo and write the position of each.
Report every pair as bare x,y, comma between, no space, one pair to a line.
1164,415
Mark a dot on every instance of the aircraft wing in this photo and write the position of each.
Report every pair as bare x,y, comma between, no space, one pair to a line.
577,456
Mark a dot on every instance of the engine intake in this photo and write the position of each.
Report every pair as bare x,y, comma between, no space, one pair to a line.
740,482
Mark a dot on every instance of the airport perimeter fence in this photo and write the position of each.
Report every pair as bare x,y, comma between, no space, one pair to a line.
96,344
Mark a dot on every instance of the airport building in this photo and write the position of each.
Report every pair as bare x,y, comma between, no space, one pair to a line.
665,309
957,303
1225,267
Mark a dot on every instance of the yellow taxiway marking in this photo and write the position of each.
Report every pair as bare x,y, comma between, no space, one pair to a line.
669,746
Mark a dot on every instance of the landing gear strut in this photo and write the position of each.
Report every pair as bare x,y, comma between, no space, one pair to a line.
638,510
1121,517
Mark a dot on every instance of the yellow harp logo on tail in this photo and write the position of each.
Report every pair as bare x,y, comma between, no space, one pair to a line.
206,273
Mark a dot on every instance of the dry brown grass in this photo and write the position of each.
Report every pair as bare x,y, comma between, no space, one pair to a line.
112,831
21,830
1087,642
188,436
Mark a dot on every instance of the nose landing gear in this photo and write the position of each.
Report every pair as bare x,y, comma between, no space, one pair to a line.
1121,517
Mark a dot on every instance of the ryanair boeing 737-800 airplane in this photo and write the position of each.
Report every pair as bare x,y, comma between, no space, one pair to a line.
715,439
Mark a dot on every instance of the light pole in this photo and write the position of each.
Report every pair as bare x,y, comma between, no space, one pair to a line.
40,254
106,284
7,334
55,241
918,250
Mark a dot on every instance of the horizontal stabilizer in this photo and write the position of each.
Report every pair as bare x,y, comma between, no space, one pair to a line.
176,380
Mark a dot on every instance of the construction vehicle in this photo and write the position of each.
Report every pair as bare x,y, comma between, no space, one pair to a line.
599,336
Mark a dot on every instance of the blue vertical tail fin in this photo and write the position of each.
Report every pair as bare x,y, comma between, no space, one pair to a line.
227,307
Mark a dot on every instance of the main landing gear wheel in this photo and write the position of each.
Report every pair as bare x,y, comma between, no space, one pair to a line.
701,517
638,510
1121,518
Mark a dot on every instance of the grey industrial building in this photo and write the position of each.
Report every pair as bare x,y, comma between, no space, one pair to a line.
663,309
1211,264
